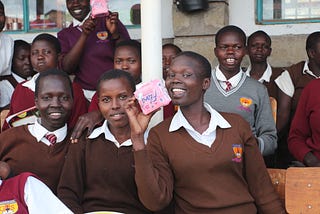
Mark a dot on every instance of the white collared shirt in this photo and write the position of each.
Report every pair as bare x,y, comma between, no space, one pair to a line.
31,84
208,136
285,83
76,22
39,132
266,74
104,129
40,199
18,78
222,79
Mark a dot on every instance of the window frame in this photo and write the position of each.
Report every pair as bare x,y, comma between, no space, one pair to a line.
261,21
26,23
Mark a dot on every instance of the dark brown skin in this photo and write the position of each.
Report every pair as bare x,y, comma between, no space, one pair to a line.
4,170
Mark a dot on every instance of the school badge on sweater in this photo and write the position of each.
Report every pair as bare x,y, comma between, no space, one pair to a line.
8,207
237,152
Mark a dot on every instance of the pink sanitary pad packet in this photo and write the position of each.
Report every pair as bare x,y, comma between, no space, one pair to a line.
99,8
152,95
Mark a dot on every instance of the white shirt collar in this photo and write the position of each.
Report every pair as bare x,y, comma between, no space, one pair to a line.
17,78
266,74
216,119
31,84
104,129
233,80
306,69
76,22
38,131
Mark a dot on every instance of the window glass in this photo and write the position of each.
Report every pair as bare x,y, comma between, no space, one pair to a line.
283,11
14,14
47,14
129,11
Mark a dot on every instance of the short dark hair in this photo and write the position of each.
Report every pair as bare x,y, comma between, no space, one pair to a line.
20,44
204,64
259,33
230,28
171,45
52,72
116,74
1,5
130,43
312,40
50,39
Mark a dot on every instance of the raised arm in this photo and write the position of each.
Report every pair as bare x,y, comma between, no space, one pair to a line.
71,60
154,181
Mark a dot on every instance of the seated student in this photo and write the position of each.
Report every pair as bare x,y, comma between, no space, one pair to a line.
259,49
25,193
127,57
233,91
303,140
45,51
33,148
98,174
291,83
207,161
21,71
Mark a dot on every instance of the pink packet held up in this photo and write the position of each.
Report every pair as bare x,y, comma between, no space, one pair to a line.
99,8
152,95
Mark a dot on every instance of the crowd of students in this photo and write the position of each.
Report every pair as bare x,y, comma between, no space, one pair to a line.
89,147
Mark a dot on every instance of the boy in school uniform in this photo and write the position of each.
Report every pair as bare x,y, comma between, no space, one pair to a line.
40,148
233,91
259,49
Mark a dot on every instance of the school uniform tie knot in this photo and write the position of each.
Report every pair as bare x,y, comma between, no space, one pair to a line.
229,85
52,138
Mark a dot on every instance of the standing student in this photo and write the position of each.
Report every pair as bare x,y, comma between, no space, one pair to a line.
291,83
233,91
207,161
21,71
45,50
88,44
40,148
6,52
98,174
6,47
